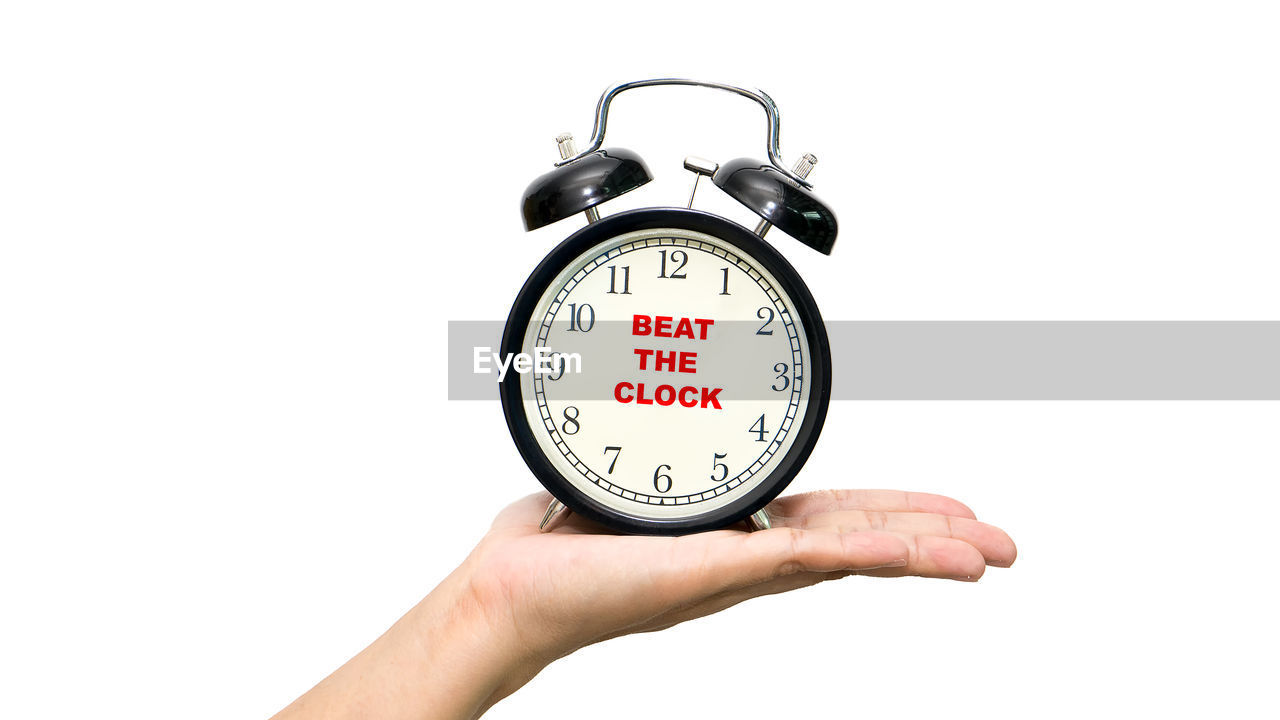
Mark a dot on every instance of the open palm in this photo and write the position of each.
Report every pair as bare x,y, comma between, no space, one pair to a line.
579,584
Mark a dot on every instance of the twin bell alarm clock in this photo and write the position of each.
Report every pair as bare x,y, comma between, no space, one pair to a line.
678,368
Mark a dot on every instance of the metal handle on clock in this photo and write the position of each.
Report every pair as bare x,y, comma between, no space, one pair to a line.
766,102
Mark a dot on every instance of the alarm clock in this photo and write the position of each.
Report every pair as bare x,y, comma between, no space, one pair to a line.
675,370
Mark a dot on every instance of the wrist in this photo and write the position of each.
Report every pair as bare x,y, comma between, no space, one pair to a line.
445,659
470,651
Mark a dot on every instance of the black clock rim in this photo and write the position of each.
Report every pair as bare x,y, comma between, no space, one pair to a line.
760,251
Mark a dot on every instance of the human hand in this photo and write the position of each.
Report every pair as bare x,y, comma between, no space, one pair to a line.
524,598
578,585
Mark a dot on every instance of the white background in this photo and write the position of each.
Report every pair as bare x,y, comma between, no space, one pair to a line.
231,235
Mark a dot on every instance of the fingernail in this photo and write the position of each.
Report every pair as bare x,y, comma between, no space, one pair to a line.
900,562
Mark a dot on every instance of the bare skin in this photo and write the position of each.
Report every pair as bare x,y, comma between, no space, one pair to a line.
523,598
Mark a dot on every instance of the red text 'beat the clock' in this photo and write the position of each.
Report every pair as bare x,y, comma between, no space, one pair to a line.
663,326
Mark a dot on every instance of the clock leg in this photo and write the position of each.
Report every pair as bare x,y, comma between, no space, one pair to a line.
555,514
759,520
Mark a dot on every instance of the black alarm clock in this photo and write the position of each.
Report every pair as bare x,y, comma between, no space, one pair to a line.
677,371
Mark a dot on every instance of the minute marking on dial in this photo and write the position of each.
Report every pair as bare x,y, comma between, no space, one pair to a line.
783,315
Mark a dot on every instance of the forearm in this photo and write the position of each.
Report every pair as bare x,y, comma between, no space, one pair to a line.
444,660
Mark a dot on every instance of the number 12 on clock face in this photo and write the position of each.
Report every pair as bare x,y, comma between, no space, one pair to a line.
692,387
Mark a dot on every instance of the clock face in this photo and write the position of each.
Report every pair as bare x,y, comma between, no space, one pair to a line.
672,375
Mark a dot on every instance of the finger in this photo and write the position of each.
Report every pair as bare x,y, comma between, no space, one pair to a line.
994,544
725,560
875,500
932,557
937,557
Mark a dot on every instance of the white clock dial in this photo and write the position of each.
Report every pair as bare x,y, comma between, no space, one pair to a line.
693,375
